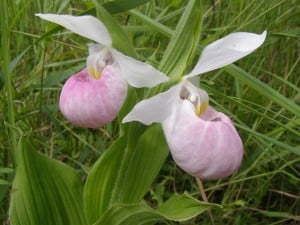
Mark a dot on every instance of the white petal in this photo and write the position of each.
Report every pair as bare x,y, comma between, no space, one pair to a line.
86,26
227,50
138,74
155,109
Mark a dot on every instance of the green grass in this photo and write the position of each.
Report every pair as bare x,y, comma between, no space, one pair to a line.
266,188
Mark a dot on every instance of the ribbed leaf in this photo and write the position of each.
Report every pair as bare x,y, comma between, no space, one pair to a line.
45,191
129,214
123,177
101,180
177,208
183,41
145,162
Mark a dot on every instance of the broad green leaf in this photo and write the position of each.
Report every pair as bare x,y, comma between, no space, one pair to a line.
124,176
263,89
45,191
101,179
184,207
183,42
177,208
143,166
129,215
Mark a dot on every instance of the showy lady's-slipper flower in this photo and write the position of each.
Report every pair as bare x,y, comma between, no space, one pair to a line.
95,95
202,141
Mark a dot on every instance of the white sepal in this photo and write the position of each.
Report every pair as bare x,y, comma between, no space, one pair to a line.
138,74
86,26
227,50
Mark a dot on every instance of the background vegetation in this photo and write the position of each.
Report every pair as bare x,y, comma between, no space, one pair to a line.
266,188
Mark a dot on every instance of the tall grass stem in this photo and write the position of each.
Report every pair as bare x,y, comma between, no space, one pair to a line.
8,80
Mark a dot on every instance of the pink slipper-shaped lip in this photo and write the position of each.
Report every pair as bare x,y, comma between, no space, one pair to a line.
87,102
208,147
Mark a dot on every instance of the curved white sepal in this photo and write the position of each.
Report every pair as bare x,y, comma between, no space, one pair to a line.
138,74
86,26
155,109
227,50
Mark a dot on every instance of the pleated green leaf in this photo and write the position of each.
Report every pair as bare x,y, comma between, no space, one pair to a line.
144,164
120,176
130,214
177,208
101,180
45,191
183,42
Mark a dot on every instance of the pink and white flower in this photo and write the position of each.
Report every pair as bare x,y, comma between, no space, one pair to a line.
95,95
202,141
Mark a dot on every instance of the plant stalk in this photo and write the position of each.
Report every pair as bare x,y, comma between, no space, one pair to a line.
204,197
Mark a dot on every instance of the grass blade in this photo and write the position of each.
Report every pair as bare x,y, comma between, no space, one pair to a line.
263,88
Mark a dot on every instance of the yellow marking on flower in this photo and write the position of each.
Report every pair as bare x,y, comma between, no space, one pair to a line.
201,108
94,73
